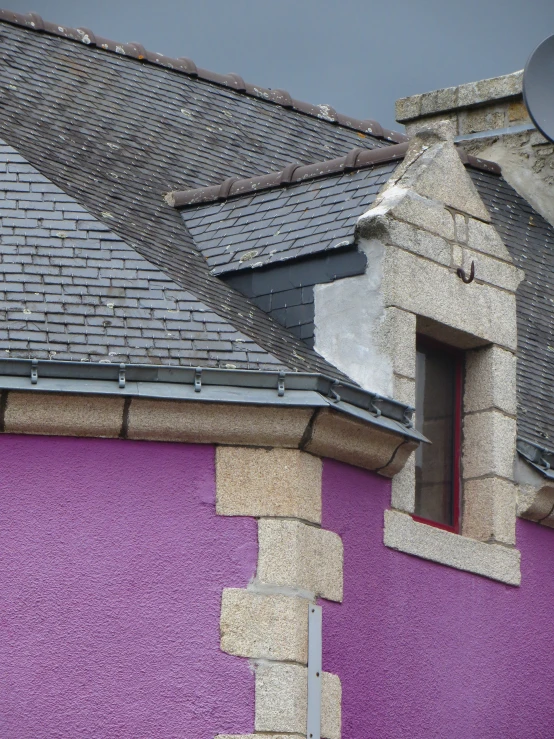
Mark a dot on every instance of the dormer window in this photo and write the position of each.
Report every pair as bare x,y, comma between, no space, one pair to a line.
439,381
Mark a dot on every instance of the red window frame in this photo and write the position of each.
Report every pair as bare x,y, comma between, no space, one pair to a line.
459,358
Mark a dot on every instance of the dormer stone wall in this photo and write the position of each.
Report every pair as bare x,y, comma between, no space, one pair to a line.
427,224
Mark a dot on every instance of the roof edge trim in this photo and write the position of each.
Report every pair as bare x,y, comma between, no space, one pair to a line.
356,159
34,22
250,387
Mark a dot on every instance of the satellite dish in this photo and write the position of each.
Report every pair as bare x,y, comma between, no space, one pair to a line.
538,87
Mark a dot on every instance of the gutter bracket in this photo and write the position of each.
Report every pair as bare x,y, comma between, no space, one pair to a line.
34,372
333,395
198,380
122,375
281,384
373,406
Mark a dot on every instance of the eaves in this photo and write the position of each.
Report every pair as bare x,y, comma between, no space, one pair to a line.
244,387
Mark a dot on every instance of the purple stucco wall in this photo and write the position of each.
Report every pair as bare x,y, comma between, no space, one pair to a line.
112,563
426,651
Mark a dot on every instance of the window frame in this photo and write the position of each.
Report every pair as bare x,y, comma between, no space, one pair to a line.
459,358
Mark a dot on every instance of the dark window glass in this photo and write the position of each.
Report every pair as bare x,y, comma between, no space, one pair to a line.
438,397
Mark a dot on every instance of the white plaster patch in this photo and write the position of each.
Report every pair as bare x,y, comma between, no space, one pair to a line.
348,314
385,202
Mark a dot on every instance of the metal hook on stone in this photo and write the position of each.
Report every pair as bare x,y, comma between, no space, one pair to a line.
462,275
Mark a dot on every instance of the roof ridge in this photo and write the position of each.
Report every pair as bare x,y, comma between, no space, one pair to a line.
356,159
34,22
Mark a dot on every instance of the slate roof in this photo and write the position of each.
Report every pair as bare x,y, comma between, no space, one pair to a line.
71,289
296,213
290,223
116,134
253,230
182,65
530,240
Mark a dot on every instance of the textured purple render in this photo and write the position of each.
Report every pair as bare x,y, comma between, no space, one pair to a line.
426,651
112,563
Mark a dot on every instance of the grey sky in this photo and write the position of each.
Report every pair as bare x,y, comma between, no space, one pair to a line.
357,55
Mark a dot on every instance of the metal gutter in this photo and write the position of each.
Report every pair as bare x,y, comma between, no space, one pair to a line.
211,385
538,457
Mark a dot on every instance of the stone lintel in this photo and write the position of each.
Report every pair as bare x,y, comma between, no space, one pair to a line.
434,292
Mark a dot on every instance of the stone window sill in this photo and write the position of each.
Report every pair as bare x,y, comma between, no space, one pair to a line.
495,561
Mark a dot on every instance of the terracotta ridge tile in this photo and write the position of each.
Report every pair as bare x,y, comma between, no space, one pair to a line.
356,159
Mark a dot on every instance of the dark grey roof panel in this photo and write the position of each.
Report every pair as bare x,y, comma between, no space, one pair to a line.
117,134
286,223
530,240
71,289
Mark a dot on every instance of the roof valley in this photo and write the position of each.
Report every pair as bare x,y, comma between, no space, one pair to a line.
100,180
234,308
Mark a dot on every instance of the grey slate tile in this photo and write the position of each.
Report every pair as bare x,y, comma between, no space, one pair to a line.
313,224
116,96
530,241
50,266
